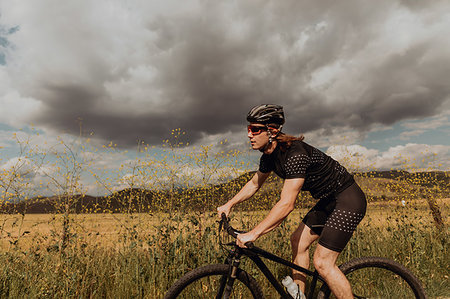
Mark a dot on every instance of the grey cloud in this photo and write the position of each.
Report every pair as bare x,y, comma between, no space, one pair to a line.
406,86
213,64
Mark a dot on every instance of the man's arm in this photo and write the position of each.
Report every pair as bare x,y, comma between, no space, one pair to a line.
245,193
278,213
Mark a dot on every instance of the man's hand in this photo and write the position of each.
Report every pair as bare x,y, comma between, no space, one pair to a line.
241,239
223,209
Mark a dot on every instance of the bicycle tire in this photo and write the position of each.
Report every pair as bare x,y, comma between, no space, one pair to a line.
249,284
367,275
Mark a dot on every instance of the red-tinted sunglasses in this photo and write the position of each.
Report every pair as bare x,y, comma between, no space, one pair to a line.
256,130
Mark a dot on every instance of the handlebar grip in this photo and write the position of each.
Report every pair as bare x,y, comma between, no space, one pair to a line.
249,245
224,217
226,225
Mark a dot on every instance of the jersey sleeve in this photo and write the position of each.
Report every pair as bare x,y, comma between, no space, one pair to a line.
296,165
266,164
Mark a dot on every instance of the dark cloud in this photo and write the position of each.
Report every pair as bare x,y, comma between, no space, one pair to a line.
203,70
406,85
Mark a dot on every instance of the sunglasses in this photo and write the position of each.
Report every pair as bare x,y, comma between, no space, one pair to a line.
256,130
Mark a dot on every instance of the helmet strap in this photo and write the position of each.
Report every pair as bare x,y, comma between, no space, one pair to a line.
271,137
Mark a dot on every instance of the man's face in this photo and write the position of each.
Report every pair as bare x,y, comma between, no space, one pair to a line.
258,135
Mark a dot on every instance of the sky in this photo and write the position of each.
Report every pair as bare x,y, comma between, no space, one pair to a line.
365,78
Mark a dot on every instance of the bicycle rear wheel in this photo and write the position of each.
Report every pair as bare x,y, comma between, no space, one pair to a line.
204,282
375,277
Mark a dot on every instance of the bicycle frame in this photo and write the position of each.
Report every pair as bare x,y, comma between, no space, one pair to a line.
399,281
254,254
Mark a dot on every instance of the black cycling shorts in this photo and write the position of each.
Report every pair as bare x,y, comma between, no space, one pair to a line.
335,219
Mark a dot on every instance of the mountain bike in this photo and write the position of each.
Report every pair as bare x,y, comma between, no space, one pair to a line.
370,277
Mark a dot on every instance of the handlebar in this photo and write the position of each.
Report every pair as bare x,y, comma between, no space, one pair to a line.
232,231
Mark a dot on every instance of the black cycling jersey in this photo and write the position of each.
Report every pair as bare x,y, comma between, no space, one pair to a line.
324,176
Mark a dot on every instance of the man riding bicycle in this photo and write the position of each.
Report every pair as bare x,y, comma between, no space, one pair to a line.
341,203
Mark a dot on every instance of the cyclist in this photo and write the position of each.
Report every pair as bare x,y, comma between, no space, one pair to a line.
341,203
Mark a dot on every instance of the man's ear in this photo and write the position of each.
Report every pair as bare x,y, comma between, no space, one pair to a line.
274,131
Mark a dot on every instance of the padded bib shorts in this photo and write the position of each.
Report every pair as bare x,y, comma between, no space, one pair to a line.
335,219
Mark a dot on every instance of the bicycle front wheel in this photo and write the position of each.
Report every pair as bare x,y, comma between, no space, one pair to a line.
375,277
206,282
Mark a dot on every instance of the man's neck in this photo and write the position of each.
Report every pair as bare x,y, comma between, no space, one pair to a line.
270,148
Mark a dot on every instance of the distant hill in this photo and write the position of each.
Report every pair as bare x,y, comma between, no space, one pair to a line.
122,201
426,179
379,185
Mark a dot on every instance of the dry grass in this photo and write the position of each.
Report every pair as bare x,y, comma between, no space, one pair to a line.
141,255
107,230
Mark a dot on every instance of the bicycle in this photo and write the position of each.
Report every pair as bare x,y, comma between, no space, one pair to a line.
370,277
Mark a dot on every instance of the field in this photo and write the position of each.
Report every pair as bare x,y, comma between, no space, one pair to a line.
140,255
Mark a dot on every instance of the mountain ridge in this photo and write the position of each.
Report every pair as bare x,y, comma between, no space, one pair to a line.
206,197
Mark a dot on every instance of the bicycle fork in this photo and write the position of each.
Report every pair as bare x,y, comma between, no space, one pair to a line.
226,282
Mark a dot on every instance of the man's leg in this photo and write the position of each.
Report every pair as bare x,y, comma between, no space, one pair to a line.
301,240
325,264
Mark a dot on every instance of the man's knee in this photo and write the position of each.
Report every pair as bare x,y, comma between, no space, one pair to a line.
324,260
321,265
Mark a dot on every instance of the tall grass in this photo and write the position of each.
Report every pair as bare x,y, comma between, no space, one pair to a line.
147,263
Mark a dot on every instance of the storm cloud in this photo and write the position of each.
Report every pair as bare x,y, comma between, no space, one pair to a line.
134,72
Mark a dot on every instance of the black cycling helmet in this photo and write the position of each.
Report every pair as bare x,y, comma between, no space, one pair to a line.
266,114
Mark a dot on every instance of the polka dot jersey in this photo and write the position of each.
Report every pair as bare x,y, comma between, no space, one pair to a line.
323,175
